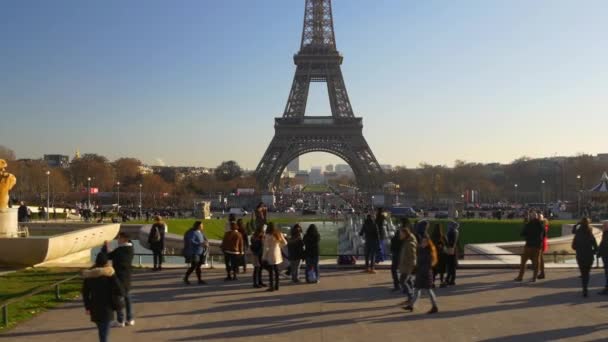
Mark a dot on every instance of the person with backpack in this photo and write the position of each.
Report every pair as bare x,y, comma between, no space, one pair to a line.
243,230
195,244
407,261
371,234
452,252
440,243
257,249
295,248
585,245
232,246
156,240
272,256
102,294
122,261
426,259
312,240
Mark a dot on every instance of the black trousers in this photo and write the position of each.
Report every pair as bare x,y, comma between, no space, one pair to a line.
195,265
157,256
273,274
585,271
395,270
231,261
451,262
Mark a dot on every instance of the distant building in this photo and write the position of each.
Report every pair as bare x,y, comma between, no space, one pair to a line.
603,157
329,168
294,165
386,167
316,176
302,177
57,160
343,168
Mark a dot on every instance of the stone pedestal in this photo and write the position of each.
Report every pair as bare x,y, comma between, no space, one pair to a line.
9,225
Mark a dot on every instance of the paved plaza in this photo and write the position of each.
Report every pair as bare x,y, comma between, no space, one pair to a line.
346,306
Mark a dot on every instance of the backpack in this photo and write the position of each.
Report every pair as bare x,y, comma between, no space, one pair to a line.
154,234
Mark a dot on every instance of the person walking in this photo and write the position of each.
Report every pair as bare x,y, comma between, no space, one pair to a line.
426,259
243,230
585,246
602,252
156,240
452,253
122,261
232,246
545,248
407,262
371,234
534,233
295,252
23,213
312,240
272,257
195,244
396,244
440,243
101,293
257,250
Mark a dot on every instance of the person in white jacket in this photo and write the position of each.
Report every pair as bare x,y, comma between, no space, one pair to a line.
272,257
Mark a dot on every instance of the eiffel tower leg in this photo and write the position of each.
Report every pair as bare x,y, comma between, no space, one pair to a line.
298,96
338,96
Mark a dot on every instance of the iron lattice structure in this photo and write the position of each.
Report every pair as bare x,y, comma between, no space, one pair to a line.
341,133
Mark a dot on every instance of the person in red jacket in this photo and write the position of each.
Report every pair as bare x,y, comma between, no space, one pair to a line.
545,248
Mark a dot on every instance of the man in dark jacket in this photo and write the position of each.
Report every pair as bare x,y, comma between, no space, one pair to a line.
534,234
23,213
372,242
122,261
100,292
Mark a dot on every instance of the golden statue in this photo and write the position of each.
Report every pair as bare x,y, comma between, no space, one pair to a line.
7,182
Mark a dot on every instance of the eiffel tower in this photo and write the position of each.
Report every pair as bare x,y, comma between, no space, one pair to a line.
340,134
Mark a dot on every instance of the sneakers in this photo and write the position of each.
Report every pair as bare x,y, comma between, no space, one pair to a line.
130,323
116,324
541,276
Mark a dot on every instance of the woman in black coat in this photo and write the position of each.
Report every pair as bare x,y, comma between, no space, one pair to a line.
425,260
312,239
102,294
586,248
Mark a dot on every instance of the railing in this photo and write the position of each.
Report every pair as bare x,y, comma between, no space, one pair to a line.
56,286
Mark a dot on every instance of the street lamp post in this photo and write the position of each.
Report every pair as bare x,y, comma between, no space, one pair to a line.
397,187
542,191
48,193
516,186
580,190
89,192
140,186
117,196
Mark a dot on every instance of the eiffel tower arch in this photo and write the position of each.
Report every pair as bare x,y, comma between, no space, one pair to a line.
340,134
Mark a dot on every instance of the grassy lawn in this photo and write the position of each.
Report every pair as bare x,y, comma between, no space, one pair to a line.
23,282
485,231
214,228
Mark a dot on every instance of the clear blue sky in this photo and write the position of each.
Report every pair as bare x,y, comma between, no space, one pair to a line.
197,82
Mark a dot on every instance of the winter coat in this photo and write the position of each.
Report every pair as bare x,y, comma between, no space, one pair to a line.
546,237
424,268
100,290
396,244
534,233
452,237
585,246
295,249
232,242
160,228
272,249
193,243
602,251
311,246
122,261
441,255
407,257
370,231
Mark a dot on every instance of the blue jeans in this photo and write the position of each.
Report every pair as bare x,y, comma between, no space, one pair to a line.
314,263
120,316
103,329
294,266
407,284
371,249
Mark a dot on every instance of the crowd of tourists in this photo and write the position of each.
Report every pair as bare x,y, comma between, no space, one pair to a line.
423,258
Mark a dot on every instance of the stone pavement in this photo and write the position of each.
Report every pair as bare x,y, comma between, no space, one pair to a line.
346,306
